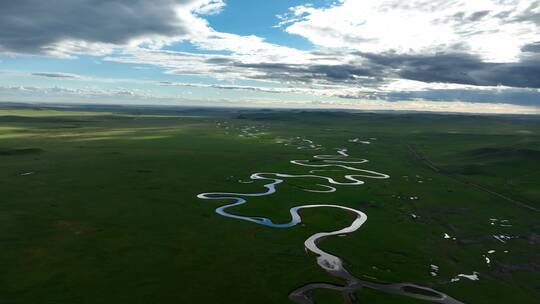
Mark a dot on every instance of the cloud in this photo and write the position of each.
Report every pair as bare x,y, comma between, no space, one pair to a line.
391,50
354,68
525,97
421,26
127,96
56,75
460,69
314,90
341,64
532,47
358,88
394,90
63,92
431,106
531,14
71,26
212,7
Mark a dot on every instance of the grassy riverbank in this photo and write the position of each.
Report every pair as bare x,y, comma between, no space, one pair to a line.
99,205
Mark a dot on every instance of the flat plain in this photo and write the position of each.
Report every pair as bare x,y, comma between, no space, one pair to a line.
99,204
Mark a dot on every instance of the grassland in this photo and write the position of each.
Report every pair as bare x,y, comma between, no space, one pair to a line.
99,205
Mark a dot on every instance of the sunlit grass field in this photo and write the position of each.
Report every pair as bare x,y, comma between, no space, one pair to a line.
99,205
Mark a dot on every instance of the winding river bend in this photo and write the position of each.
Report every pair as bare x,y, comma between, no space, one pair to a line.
330,263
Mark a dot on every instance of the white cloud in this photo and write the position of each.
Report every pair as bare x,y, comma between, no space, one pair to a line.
438,106
251,48
319,90
65,91
494,29
211,7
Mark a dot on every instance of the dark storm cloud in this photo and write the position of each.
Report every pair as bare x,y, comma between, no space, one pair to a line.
523,97
308,73
532,47
511,96
459,69
446,68
371,69
29,26
344,71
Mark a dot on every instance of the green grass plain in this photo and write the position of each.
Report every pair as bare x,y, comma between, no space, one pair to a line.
99,205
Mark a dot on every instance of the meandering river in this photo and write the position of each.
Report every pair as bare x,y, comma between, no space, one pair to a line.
327,261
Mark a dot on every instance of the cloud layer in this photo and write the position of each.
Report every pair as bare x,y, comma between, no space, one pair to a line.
495,30
127,96
484,51
41,27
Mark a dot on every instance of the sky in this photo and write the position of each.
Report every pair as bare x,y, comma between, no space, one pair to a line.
480,56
